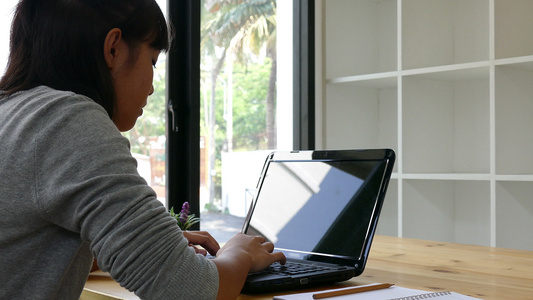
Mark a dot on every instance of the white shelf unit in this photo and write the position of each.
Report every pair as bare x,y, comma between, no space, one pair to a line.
447,84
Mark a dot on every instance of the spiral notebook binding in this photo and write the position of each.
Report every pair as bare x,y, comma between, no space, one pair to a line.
424,296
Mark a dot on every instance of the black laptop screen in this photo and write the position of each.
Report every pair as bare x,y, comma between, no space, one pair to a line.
318,209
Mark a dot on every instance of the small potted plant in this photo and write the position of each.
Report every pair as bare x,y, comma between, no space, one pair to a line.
184,219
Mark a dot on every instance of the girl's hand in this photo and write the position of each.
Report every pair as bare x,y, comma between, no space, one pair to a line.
239,256
203,239
254,248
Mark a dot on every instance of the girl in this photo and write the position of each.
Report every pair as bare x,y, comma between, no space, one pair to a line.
79,72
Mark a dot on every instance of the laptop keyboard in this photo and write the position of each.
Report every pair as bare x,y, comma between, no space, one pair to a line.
294,268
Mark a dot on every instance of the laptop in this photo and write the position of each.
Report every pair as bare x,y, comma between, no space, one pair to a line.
321,209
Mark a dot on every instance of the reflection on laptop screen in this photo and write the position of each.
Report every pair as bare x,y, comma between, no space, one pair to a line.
318,209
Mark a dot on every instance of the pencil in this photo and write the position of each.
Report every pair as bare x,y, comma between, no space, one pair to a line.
357,289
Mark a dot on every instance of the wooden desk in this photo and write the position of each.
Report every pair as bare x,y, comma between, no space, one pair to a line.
482,272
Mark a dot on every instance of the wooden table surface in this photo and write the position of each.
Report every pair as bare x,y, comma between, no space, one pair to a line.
477,271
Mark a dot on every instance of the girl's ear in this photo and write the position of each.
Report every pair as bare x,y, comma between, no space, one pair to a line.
112,47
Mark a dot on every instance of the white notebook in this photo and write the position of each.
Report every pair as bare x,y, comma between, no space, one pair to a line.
392,293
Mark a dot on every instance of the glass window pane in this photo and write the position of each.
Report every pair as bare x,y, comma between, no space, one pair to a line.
246,104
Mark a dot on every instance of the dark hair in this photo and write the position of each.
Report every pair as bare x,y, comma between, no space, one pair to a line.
59,43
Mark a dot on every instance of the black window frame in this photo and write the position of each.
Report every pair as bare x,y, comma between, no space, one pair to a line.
183,97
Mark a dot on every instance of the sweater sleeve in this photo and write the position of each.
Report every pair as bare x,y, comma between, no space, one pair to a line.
88,184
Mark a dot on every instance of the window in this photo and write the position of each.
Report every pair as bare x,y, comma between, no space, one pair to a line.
246,104
170,159
184,92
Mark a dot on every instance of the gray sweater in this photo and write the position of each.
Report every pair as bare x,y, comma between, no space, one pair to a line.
69,190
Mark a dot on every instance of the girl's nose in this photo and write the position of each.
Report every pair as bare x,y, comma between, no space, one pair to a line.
152,90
